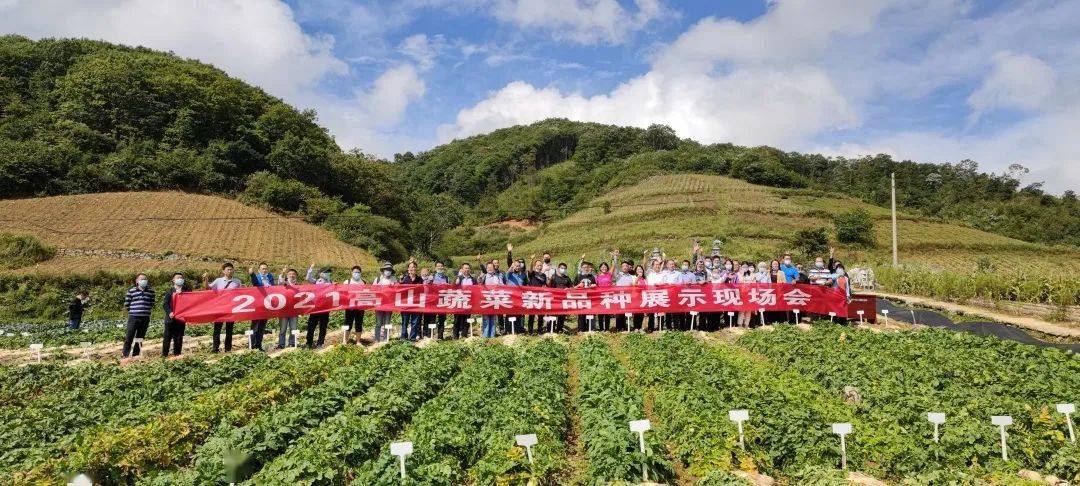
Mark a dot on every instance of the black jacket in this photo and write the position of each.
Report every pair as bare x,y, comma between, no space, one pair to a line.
405,280
75,309
166,305
537,279
561,281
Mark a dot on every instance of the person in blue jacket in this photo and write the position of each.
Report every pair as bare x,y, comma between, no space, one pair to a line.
260,278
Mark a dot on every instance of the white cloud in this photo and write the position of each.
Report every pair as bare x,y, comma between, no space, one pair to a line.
1017,81
807,68
764,94
422,49
582,21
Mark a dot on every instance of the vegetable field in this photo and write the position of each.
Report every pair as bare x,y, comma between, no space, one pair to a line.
329,417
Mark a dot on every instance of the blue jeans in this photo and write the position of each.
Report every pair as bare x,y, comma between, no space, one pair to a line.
410,326
488,328
74,323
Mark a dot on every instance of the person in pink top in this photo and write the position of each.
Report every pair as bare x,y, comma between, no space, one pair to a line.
604,278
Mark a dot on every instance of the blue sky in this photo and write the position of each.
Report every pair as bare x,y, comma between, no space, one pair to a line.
929,80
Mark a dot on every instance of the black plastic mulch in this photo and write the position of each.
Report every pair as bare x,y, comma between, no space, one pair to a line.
981,328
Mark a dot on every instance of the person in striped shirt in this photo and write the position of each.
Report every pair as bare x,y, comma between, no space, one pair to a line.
139,302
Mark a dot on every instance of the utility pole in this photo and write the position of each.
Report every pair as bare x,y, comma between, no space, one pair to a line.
895,258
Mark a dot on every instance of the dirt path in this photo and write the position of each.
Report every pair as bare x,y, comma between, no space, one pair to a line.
576,462
1055,329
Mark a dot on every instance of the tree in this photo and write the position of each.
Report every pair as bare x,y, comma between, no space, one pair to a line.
810,242
854,227
660,137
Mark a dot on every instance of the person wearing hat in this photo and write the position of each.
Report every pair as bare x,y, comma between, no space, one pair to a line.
382,318
320,319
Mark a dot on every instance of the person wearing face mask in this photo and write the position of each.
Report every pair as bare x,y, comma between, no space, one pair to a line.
686,276
791,272
317,319
354,318
622,276
489,322
287,324
262,278
561,280
461,321
410,321
226,281
139,303
438,277
382,318
517,276
549,269
174,328
744,275
585,279
841,281
536,278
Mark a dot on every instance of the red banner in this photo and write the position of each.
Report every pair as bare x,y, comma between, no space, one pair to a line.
248,303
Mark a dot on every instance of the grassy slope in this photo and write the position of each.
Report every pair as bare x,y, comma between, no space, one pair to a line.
160,223
756,222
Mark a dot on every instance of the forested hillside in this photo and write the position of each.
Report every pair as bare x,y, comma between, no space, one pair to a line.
79,116
545,170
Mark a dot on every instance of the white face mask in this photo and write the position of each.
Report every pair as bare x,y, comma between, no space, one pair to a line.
562,271
178,282
727,267
356,275
142,283
787,261
387,273
685,268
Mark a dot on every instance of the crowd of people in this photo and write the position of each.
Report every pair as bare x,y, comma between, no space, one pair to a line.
657,269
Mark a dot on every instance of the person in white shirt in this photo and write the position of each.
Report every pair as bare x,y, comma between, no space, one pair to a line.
226,281
354,318
317,319
382,318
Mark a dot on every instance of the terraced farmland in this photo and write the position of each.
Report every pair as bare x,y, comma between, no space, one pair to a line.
145,231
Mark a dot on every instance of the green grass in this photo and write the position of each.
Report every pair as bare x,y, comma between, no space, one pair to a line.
757,223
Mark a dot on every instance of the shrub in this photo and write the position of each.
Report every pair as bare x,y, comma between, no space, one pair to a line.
811,242
276,192
855,227
22,250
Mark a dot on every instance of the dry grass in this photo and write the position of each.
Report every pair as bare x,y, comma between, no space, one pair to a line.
165,223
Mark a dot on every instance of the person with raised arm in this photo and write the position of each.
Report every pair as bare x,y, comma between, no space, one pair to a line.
516,276
537,278
262,278
318,319
585,279
226,281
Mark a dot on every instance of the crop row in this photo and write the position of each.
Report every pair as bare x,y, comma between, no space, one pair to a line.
167,440
445,430
899,377
693,386
232,453
606,402
330,452
535,402
52,421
